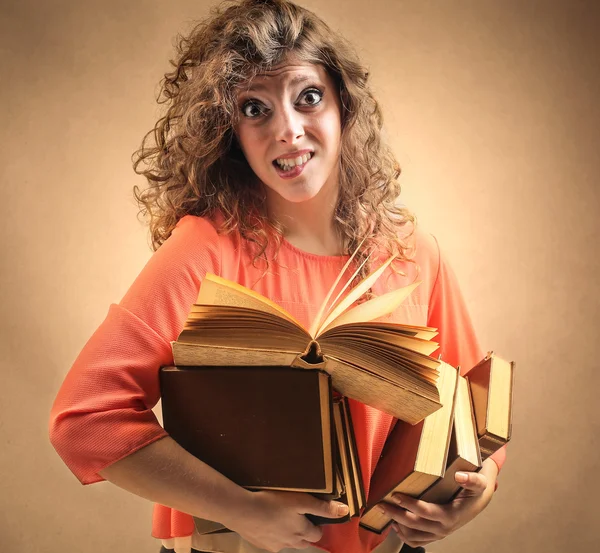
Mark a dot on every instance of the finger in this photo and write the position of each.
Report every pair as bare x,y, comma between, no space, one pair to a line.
311,533
423,509
303,544
329,509
410,520
472,481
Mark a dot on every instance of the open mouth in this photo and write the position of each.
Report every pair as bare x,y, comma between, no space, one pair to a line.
292,167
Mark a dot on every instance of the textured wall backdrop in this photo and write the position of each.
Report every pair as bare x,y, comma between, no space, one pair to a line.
491,107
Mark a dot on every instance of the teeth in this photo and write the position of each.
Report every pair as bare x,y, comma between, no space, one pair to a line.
287,164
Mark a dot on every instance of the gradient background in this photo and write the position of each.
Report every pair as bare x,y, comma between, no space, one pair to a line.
492,109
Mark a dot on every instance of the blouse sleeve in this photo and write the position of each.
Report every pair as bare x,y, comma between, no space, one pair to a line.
448,313
103,410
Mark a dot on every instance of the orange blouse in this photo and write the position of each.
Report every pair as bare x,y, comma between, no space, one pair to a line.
103,411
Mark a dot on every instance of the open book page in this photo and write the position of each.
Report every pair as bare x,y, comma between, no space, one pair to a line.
202,355
380,393
241,327
321,312
422,332
403,368
354,294
372,309
372,332
219,291
206,316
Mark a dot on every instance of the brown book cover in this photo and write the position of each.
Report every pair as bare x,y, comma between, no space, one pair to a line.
262,427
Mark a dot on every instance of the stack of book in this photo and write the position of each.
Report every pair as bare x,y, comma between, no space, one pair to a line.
263,400
266,428
422,460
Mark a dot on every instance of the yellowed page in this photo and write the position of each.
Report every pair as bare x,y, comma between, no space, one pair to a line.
500,397
355,294
422,332
466,432
220,291
319,316
425,347
335,302
380,393
435,439
374,308
193,354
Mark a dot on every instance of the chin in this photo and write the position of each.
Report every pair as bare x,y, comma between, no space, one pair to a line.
299,197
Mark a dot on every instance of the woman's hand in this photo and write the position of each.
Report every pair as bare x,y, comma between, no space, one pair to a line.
275,520
419,523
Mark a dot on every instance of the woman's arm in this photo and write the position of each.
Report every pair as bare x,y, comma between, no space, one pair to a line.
166,473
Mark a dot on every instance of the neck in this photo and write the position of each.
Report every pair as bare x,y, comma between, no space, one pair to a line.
308,225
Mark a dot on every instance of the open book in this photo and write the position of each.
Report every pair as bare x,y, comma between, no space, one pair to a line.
382,364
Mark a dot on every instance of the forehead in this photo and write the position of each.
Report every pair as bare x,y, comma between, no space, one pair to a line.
286,74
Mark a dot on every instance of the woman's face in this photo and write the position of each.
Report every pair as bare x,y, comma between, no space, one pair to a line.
287,114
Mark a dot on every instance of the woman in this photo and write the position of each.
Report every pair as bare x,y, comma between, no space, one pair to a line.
267,169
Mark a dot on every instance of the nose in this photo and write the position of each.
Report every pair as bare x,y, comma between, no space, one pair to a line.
289,125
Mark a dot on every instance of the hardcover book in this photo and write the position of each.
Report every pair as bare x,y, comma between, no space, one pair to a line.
491,384
384,365
267,428
414,457
463,454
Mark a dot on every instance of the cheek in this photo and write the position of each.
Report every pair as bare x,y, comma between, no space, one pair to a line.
331,122
247,142
254,138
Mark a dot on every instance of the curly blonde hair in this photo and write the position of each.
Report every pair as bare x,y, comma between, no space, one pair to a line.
195,165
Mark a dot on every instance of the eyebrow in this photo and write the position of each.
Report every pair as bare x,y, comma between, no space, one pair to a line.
294,81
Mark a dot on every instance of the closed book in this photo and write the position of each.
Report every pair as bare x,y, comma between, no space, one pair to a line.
414,457
463,454
265,428
491,384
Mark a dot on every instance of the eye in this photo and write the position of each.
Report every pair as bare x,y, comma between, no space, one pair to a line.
313,95
252,109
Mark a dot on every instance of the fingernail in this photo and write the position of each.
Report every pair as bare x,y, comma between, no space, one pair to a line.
342,509
380,509
462,477
397,499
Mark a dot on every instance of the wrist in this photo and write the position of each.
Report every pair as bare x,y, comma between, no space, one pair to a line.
239,508
489,469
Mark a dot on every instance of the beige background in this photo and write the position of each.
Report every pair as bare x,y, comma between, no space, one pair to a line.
492,108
